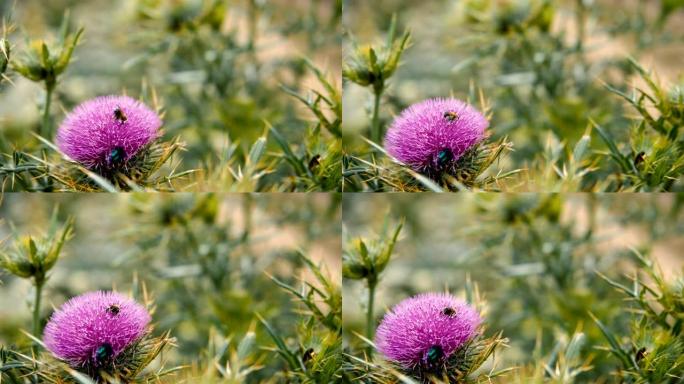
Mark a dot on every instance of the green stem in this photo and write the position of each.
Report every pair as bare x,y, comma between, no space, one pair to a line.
370,324
36,309
375,121
46,112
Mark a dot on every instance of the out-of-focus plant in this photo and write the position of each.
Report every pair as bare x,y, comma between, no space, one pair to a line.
372,67
653,351
33,258
543,258
227,363
239,88
564,365
42,63
211,270
560,171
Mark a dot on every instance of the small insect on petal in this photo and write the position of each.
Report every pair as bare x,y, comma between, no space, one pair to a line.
641,353
639,158
443,157
434,355
119,115
103,353
114,309
451,116
448,311
117,155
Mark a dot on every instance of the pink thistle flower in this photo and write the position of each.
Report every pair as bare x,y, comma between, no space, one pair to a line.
425,330
95,327
432,135
105,132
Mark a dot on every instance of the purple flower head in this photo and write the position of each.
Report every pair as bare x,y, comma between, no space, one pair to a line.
95,327
435,133
107,131
424,330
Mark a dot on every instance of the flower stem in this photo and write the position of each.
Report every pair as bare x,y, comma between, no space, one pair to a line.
36,309
375,121
46,112
369,316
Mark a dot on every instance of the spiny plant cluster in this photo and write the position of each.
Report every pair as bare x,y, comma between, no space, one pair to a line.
77,346
566,117
427,338
227,320
227,103
558,310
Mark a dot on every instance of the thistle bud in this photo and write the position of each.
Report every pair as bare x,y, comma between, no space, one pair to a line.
44,63
34,257
371,66
367,259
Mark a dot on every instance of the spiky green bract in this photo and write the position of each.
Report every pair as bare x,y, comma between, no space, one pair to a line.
33,257
139,173
470,172
128,367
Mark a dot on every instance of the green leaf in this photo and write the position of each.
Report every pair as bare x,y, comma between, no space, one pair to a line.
66,53
289,357
44,55
246,346
257,150
616,349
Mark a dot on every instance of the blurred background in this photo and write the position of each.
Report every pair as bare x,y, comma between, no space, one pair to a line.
536,258
217,68
205,259
542,67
